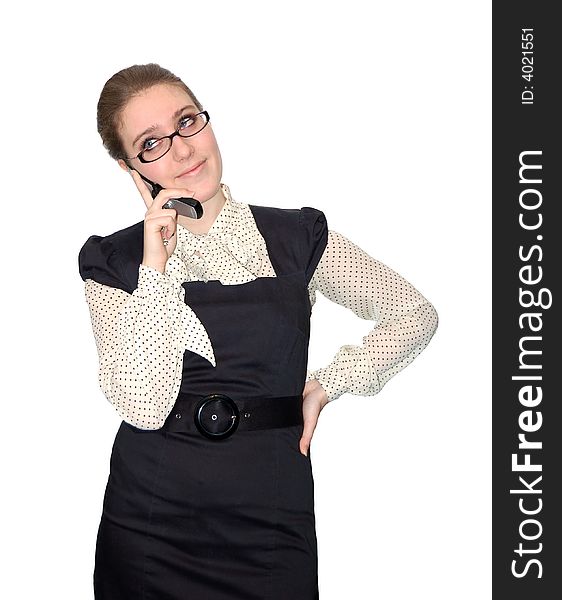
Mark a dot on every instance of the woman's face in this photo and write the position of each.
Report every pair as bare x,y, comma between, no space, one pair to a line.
156,112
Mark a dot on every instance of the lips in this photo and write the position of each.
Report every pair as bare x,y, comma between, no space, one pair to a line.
192,170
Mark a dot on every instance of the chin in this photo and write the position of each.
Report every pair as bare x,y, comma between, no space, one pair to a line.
204,188
207,191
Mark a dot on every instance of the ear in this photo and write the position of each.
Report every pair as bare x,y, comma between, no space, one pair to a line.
123,164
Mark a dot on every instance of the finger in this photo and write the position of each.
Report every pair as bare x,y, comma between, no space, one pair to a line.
156,213
168,230
156,222
142,188
308,430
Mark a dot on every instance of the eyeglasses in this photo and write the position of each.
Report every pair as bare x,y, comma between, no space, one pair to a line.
155,148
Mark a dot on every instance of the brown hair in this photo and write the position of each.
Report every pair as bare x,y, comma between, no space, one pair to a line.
119,89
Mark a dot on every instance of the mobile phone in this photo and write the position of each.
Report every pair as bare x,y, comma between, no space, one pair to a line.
187,207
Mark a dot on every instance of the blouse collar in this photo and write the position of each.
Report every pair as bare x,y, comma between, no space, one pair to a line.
233,237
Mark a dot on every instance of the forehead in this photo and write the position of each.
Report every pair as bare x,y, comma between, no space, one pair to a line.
153,107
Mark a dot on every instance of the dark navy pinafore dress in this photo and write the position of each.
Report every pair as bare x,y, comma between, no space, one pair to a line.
188,518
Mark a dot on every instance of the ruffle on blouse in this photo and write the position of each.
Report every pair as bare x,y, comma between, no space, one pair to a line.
201,267
233,244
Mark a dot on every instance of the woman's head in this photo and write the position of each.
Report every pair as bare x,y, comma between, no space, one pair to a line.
145,102
117,92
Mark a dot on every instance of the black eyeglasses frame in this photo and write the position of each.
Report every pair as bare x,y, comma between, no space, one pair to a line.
171,138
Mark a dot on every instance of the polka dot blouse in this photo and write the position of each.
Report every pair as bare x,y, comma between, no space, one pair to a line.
141,337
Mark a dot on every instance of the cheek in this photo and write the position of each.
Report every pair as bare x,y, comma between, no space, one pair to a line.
157,171
212,147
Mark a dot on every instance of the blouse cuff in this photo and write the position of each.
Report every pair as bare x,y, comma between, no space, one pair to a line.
151,281
350,371
188,331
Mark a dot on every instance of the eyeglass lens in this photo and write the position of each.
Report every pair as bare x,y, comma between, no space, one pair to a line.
189,125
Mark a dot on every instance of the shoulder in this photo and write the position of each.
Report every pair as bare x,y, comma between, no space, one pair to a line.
113,259
304,217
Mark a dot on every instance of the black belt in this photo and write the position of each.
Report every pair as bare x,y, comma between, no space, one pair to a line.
217,416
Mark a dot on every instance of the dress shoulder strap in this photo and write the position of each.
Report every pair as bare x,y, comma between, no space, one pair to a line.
295,238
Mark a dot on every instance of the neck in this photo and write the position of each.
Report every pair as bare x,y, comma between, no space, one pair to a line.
211,210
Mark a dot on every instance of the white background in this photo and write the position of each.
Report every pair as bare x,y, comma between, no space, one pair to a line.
379,114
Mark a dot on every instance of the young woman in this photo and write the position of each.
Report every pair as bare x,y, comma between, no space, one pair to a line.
202,328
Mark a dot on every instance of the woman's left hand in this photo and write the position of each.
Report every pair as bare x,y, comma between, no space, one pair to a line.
314,400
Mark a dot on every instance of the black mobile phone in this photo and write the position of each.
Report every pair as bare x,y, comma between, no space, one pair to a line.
187,207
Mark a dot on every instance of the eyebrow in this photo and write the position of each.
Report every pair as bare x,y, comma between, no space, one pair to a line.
153,128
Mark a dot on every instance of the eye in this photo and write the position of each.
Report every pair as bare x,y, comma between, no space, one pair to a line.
186,121
150,143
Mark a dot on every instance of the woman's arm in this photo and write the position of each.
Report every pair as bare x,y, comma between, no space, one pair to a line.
141,339
405,320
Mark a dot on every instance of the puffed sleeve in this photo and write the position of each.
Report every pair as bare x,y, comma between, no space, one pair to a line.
315,231
100,260
404,320
141,334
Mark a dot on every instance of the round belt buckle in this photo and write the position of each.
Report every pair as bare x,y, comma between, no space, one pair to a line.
216,416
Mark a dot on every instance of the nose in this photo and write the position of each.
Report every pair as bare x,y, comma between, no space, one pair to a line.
181,148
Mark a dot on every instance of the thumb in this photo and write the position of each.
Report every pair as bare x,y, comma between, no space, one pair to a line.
308,430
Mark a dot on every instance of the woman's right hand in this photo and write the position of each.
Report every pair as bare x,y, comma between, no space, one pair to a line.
159,223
